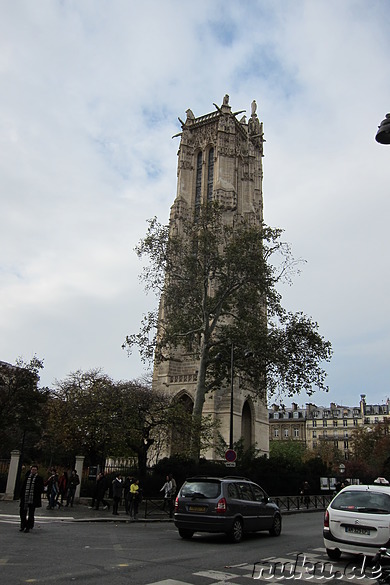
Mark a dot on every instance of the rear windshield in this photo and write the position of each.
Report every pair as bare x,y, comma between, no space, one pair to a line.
201,489
356,501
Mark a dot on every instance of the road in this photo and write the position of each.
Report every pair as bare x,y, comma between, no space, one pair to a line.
97,553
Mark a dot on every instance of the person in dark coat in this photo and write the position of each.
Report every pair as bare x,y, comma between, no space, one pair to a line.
101,488
30,498
117,488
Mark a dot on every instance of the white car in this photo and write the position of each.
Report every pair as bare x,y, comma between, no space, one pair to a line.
357,521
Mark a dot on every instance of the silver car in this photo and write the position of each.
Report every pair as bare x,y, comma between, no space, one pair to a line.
357,521
231,505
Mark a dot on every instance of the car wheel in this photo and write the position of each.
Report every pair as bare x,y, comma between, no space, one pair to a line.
333,553
236,532
186,533
276,526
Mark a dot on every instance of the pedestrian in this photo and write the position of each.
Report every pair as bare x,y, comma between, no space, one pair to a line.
101,488
52,489
306,493
30,498
126,493
167,489
117,488
173,495
63,487
74,481
135,498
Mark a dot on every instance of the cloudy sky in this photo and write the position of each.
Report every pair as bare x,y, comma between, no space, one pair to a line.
90,95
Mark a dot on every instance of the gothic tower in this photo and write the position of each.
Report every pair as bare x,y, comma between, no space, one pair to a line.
219,159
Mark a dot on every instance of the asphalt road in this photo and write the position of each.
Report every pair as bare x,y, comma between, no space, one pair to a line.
97,553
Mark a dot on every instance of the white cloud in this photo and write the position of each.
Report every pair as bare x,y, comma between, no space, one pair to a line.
90,97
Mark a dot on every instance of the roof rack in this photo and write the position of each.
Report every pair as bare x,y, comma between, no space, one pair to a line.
235,477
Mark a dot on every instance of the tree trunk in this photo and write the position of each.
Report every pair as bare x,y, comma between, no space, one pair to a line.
199,402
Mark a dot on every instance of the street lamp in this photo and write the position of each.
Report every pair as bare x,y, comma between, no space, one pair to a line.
231,394
383,134
247,354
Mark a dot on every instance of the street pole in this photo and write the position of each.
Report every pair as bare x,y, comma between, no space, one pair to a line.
231,394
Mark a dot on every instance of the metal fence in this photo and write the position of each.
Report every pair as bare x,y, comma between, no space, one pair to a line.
303,502
154,507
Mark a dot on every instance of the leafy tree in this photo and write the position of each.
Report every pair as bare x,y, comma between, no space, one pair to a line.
218,286
80,415
91,414
371,447
21,405
292,451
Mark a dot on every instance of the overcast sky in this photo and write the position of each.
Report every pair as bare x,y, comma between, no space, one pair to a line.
91,91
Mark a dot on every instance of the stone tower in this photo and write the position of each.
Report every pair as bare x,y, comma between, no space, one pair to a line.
219,159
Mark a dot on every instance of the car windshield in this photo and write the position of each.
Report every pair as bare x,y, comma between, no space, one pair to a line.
201,489
362,501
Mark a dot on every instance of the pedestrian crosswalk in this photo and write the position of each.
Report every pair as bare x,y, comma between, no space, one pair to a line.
296,566
14,519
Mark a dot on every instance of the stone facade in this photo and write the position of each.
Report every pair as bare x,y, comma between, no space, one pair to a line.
334,425
219,159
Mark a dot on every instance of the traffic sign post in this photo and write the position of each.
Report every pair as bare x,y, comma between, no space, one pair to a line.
230,456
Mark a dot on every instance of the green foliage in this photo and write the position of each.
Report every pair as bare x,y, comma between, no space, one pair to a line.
371,449
290,451
218,285
90,414
21,405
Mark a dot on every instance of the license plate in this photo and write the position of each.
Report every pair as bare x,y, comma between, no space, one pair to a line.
197,508
356,530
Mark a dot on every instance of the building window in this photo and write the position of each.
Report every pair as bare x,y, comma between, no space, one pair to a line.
336,443
325,433
314,423
314,434
210,175
335,422
325,422
345,422
286,433
355,422
276,432
198,187
296,433
345,434
345,444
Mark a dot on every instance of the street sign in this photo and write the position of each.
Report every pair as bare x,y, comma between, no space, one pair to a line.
230,455
230,463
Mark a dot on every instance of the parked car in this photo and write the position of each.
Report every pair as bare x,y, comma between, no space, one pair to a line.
231,505
357,521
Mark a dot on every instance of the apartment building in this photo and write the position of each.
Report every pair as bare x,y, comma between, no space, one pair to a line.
333,425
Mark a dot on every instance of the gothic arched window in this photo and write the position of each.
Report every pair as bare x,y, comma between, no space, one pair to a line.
198,185
210,174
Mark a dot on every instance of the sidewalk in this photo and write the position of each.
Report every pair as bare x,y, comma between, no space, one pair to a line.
80,512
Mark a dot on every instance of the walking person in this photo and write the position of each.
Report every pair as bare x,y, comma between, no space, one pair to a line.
117,488
74,481
30,498
167,489
173,495
52,489
135,498
126,493
63,488
101,488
